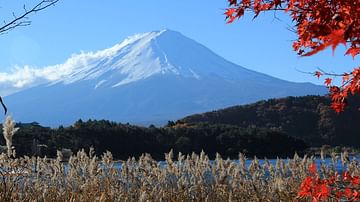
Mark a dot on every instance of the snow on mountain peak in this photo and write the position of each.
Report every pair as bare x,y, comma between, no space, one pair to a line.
137,57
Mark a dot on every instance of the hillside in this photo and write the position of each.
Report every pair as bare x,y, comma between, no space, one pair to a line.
309,118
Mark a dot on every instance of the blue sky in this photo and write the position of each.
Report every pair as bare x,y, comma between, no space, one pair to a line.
73,26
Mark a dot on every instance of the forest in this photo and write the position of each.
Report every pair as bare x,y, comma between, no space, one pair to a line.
125,140
272,128
309,118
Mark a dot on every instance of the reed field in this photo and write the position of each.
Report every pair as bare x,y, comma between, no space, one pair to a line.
86,177
193,177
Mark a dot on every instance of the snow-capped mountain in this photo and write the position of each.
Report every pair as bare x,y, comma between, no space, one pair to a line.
148,78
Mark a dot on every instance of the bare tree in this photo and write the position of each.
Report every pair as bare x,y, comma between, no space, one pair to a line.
23,20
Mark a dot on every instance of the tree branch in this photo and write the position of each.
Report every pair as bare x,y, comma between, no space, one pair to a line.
22,19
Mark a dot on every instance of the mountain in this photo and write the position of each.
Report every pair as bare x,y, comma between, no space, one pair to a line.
309,118
148,78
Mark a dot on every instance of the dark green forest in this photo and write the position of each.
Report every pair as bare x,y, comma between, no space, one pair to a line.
276,127
309,118
125,140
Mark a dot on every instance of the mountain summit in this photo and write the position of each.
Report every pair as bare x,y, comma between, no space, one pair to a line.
148,78
141,56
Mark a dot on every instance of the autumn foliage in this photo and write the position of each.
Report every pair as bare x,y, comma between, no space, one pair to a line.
338,187
319,24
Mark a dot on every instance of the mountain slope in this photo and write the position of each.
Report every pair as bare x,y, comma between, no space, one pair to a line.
148,78
309,118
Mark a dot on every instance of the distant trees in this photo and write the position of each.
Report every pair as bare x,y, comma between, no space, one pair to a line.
125,140
318,24
309,118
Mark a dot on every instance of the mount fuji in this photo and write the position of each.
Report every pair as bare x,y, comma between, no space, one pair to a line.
149,78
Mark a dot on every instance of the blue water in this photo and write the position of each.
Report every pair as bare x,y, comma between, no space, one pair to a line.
327,161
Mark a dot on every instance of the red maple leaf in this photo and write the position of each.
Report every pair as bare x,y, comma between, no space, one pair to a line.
356,195
323,191
339,194
305,187
230,15
229,12
355,180
348,193
353,52
338,106
333,39
231,19
317,74
328,81
232,2
347,176
312,168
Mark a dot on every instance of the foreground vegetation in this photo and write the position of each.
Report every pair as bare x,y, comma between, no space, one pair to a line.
186,178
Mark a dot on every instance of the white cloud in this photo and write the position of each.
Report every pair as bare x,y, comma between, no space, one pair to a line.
19,78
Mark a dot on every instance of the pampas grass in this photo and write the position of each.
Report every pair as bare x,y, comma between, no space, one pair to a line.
8,131
86,177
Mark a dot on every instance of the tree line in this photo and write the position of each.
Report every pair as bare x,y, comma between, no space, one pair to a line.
125,140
